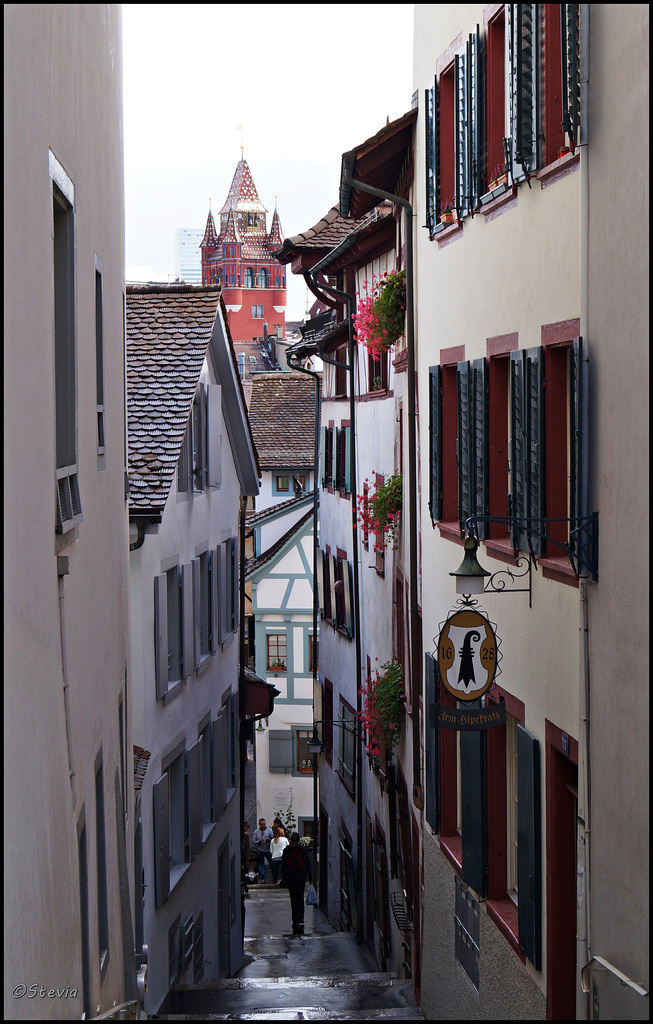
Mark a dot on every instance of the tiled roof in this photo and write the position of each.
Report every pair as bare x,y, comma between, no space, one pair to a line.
329,231
253,518
242,193
282,417
168,332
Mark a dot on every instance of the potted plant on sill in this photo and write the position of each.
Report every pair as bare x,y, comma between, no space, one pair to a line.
277,666
380,513
381,313
382,715
498,177
448,211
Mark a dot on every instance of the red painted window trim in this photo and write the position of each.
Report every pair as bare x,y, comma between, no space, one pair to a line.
449,436
446,155
499,386
554,137
495,85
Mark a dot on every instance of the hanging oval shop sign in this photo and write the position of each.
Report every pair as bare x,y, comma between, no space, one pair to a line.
467,654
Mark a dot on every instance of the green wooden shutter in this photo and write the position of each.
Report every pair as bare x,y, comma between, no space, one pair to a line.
431,748
475,119
431,160
529,847
435,443
323,456
526,445
347,444
570,66
464,447
333,579
472,771
460,134
335,452
349,598
523,49
321,588
480,441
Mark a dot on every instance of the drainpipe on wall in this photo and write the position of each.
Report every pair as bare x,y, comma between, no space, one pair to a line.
316,473
63,569
350,301
415,642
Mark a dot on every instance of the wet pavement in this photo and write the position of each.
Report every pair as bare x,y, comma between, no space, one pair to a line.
320,975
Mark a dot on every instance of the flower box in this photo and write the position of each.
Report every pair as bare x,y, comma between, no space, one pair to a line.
381,313
448,217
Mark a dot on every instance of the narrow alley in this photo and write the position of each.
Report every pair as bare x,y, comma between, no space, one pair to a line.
321,975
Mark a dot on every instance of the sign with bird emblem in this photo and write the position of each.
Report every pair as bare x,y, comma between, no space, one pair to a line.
467,654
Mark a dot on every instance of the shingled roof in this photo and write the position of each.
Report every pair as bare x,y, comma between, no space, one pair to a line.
282,418
168,333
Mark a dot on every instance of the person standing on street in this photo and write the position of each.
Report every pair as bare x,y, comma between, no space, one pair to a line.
261,843
277,846
295,872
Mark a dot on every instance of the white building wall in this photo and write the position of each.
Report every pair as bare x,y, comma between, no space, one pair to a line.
66,637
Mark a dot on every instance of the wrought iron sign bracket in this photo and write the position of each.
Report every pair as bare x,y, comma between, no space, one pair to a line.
582,549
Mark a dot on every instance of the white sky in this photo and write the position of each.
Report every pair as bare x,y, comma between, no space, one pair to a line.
306,82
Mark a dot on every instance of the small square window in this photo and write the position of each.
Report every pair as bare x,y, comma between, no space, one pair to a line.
276,643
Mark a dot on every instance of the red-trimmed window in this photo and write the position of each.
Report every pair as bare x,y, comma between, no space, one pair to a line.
377,372
447,142
495,92
379,538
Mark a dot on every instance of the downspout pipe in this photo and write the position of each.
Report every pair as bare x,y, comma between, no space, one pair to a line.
351,303
415,639
316,472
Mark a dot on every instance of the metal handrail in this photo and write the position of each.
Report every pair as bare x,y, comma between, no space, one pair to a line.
602,962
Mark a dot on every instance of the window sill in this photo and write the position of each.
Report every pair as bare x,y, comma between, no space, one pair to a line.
450,531
446,233
494,203
560,168
558,568
505,916
173,692
207,829
452,848
177,872
400,362
203,665
501,548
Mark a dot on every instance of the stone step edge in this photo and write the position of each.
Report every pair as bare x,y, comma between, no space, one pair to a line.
379,979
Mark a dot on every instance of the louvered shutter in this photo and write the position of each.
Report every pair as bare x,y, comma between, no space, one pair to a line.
349,598
529,870
431,160
347,444
197,600
323,455
161,799
214,434
320,580
222,593
460,133
333,579
464,446
431,734
335,451
213,598
472,771
195,797
435,443
570,64
280,750
161,634
523,48
188,634
480,441
475,119
526,446
436,132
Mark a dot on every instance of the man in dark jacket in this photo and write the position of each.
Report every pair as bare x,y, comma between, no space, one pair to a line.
295,872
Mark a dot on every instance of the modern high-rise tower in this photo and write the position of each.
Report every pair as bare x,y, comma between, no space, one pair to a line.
240,256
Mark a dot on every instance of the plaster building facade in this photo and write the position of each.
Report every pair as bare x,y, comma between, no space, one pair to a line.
192,467
68,775
524,447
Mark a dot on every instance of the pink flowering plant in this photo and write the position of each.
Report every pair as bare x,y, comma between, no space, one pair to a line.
380,312
380,513
383,708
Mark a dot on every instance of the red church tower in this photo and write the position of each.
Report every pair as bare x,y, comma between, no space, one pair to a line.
240,258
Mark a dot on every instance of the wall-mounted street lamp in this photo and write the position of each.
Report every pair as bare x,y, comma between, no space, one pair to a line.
582,551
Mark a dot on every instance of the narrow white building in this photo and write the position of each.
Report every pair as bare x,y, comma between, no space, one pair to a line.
191,467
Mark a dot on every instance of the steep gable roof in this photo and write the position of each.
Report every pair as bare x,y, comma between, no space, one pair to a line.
168,333
282,417
242,192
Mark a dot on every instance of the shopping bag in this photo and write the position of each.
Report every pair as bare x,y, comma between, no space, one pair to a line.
311,896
